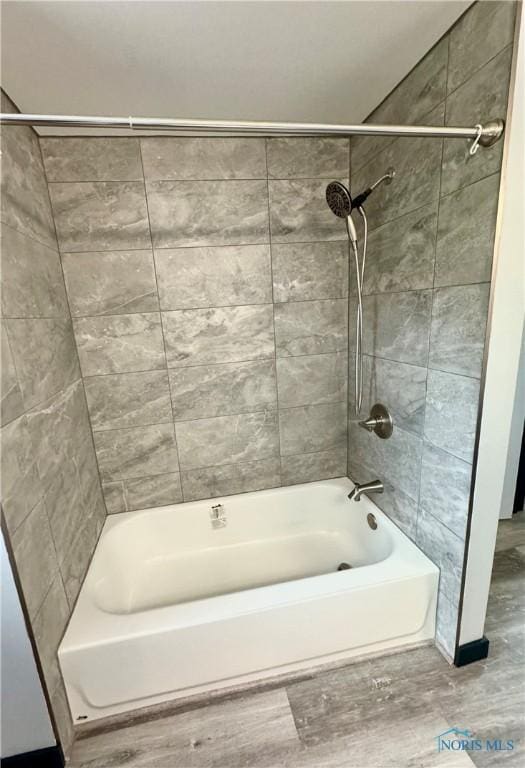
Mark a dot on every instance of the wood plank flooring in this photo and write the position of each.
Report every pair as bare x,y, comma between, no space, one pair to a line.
378,713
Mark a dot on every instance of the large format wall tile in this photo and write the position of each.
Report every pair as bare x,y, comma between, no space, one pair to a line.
91,159
445,549
446,625
195,213
299,212
312,379
457,337
214,277
307,158
421,90
171,158
204,391
145,492
100,216
21,486
227,334
466,230
12,404
125,454
119,343
31,278
399,386
227,439
45,356
417,163
111,282
210,482
400,254
477,37
484,94
25,200
451,413
309,467
312,428
303,271
128,399
310,327
396,326
445,488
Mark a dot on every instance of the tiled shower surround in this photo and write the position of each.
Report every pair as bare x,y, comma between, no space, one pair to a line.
427,288
207,280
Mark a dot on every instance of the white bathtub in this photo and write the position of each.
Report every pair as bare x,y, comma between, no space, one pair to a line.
172,607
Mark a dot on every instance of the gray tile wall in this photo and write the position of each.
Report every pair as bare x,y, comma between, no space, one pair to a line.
207,281
52,501
427,287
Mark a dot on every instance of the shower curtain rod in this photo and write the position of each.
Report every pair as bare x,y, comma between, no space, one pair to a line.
485,134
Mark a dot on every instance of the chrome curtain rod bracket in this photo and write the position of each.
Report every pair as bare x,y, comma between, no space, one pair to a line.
487,135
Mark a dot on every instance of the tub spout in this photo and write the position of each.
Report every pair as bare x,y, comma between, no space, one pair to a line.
374,486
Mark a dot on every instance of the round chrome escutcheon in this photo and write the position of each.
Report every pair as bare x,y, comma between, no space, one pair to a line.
372,522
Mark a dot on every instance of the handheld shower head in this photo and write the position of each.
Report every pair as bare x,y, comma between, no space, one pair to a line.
340,203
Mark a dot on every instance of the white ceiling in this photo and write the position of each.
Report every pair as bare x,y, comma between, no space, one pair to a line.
293,61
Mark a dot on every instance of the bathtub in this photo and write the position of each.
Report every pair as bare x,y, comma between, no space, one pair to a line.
175,605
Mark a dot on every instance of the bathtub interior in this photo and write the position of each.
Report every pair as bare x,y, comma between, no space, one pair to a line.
173,555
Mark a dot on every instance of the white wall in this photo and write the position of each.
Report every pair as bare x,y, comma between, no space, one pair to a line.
504,399
25,720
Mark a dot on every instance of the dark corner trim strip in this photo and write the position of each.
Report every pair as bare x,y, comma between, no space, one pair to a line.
470,652
50,757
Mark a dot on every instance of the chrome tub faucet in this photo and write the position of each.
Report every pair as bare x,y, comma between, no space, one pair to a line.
374,486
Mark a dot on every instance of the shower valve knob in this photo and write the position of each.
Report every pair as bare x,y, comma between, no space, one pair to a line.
379,421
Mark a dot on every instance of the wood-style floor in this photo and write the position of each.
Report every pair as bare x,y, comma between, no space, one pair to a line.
377,713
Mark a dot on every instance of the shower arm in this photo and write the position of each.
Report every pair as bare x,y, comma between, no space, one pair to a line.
482,134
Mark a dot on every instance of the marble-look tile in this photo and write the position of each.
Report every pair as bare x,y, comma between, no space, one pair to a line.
44,355
299,212
91,159
446,625
209,482
399,386
396,460
304,271
308,158
153,491
76,562
21,486
227,439
111,282
457,338
477,37
400,254
128,399
190,159
65,505
312,379
230,733
125,454
451,413
205,391
309,467
48,627
312,428
119,343
222,335
396,326
466,231
214,277
417,163
62,715
11,401
25,199
35,557
193,213
445,488
445,549
31,278
114,498
484,94
310,327
100,216
420,91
